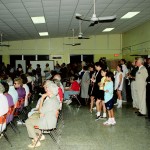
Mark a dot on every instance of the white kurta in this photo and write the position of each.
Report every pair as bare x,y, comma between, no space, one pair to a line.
140,86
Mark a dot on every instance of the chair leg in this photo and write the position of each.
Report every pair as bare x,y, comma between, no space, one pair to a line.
6,138
15,126
78,101
12,126
38,139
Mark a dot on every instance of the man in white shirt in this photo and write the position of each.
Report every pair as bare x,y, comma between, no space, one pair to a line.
125,72
140,85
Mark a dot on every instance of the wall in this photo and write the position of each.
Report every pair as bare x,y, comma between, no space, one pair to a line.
136,41
105,45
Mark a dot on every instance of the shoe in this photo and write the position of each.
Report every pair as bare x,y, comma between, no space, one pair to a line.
94,108
139,114
97,118
42,138
65,101
116,103
33,145
20,122
119,104
124,101
107,123
147,117
113,122
69,102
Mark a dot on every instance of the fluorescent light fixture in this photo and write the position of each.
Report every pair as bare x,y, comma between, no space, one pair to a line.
107,29
130,15
43,33
37,20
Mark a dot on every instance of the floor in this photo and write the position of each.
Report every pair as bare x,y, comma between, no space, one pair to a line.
82,132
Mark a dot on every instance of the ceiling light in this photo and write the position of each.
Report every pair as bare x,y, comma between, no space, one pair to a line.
107,29
129,15
43,33
37,20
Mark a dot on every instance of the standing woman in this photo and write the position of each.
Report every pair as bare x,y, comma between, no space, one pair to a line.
119,85
95,79
85,81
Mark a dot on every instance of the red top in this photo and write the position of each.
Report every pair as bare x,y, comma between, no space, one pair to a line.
75,86
61,94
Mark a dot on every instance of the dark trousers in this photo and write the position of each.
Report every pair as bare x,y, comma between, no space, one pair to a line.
148,99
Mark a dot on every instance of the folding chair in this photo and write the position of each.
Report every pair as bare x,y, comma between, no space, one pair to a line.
10,117
50,132
3,127
75,96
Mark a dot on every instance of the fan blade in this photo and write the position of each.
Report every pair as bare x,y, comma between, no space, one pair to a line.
5,45
83,37
106,19
75,44
67,44
93,23
79,17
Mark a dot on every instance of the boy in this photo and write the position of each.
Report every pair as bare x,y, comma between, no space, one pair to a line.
108,99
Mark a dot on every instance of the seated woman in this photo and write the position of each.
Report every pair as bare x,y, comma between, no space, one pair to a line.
3,107
46,117
73,89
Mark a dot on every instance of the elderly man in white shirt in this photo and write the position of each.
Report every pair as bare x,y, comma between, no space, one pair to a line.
125,72
140,85
12,91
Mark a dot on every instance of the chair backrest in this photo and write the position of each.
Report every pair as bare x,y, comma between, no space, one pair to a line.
10,114
3,122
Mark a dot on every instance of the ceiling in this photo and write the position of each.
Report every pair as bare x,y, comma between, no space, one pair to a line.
16,23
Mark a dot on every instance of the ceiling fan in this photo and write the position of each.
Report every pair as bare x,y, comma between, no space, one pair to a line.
80,35
73,43
95,20
1,42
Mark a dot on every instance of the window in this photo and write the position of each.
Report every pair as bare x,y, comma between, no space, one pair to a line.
43,57
79,58
13,59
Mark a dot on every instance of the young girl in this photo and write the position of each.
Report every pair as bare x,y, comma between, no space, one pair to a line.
100,99
108,99
118,85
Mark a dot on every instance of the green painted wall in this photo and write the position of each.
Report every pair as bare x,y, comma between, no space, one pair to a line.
105,45
136,41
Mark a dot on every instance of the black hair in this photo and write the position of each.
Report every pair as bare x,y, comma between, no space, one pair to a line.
120,66
6,86
110,75
85,67
123,60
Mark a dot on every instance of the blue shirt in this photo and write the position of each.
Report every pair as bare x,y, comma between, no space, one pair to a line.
108,95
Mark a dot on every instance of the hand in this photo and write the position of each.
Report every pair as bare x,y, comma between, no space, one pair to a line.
42,115
57,114
106,91
44,96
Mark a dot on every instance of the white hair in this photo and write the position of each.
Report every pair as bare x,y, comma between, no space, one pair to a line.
57,76
141,60
52,87
2,89
10,81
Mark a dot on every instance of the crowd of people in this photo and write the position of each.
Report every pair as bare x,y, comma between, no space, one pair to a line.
95,83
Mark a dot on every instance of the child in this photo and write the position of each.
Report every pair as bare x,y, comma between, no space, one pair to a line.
100,99
119,85
108,99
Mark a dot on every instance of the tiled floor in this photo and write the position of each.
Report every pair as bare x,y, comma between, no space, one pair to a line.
82,132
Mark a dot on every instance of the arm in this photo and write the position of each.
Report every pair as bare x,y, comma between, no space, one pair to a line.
120,80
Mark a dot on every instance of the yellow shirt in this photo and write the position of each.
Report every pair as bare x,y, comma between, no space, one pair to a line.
102,83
